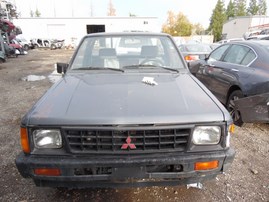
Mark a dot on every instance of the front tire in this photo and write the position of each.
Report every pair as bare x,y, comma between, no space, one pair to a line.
53,47
26,47
234,112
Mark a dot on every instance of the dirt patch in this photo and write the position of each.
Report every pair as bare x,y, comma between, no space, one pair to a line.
246,180
2,68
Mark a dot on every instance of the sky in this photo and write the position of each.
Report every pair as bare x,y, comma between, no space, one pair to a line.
197,11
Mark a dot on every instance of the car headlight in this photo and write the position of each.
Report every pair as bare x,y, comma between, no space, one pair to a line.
206,135
50,139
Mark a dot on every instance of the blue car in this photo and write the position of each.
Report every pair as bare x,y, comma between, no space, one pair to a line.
235,70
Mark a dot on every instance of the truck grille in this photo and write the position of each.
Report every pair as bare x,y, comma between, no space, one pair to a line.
130,141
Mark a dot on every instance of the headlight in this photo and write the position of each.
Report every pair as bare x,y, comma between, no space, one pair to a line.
206,135
47,139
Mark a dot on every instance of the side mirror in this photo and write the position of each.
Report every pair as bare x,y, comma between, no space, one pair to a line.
62,67
194,66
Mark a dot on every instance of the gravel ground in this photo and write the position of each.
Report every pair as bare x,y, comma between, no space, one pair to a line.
246,180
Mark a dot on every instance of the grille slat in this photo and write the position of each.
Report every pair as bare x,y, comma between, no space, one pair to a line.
145,141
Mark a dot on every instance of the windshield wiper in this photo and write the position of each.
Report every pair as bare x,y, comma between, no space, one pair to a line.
137,66
144,65
99,68
169,68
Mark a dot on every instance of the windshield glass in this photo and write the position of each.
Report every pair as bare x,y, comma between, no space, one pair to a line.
127,51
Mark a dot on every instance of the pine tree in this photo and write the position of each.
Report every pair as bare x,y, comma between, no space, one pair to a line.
217,20
37,13
230,12
240,7
262,7
253,7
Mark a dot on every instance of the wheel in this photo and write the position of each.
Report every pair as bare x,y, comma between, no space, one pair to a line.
26,47
53,47
152,61
235,113
2,60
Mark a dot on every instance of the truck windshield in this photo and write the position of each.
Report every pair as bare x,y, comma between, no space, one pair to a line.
120,51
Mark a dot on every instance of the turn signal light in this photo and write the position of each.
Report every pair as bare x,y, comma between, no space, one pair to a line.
231,128
191,57
208,165
47,171
24,141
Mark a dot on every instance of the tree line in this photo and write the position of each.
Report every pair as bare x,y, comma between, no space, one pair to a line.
179,25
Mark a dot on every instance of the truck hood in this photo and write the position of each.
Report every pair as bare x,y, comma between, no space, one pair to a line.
122,98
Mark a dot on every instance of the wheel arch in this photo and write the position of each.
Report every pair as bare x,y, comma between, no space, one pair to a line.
232,89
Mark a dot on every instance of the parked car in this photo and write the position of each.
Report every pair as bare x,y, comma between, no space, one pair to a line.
133,118
25,44
10,51
235,70
264,32
2,50
56,44
40,43
259,37
251,33
47,43
15,44
195,51
230,40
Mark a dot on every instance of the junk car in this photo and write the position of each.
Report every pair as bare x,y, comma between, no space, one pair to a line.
127,112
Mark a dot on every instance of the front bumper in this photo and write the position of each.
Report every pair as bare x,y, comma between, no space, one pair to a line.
122,171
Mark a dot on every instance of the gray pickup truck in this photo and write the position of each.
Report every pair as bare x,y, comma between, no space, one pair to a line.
126,112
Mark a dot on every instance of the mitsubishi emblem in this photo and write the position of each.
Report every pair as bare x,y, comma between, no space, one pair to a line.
128,144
